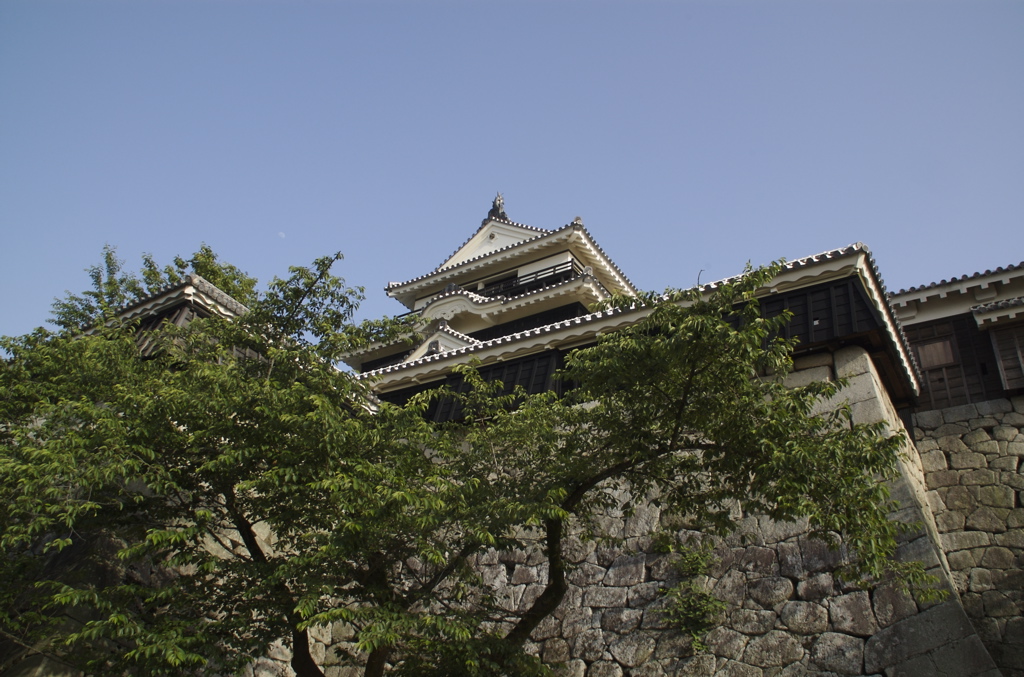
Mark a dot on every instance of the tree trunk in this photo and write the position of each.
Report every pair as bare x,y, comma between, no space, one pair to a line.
553,594
302,662
376,662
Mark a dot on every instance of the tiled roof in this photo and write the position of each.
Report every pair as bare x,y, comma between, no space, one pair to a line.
479,299
457,334
896,334
521,243
898,337
962,278
508,222
483,345
999,305
201,284
809,260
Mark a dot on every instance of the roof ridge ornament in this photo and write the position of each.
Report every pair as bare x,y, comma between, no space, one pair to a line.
497,210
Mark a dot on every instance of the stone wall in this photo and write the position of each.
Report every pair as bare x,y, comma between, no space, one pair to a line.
971,459
787,612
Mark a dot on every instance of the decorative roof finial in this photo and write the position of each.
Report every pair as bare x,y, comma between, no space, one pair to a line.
497,208
578,221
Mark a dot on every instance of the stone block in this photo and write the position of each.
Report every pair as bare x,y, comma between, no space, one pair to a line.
1003,463
524,574
963,540
643,594
932,461
997,497
988,447
776,532
802,377
978,477
929,420
726,642
574,668
604,669
1010,539
626,571
949,521
575,621
980,580
816,587
577,551
822,359
632,649
942,478
696,666
589,645
732,588
1012,480
924,445
872,410
998,558
546,629
915,636
621,621
962,413
604,597
998,604
954,431
790,562
804,618
1005,433
817,556
989,407
920,550
967,656
967,459
959,498
892,604
976,435
737,669
758,560
859,388
838,653
770,591
556,650
1015,448
852,614
851,361
987,519
586,574
752,622
774,649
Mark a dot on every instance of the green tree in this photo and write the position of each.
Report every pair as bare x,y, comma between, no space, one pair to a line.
688,405
182,512
114,288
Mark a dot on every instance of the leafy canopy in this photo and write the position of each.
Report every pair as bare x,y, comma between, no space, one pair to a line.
183,512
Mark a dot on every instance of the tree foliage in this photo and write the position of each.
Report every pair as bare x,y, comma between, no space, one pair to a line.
114,288
181,513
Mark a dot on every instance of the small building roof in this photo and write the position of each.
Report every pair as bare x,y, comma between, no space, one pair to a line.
193,289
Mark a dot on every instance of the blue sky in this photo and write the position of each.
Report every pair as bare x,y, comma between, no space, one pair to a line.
689,136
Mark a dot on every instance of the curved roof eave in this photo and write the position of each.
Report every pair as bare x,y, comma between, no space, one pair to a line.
513,251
